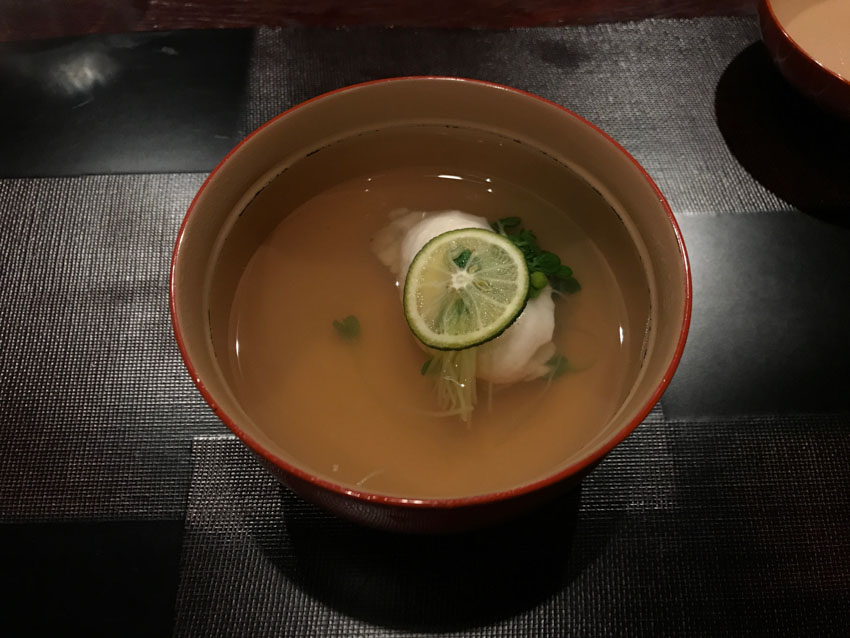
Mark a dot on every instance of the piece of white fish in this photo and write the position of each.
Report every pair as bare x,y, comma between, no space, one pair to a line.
518,354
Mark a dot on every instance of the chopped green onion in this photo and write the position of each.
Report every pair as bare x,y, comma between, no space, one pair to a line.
348,328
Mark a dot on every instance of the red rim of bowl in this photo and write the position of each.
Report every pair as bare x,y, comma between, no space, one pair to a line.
769,6
438,503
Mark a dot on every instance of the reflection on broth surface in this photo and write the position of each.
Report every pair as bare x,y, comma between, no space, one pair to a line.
359,411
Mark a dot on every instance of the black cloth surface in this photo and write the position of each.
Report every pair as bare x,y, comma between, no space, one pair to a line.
726,513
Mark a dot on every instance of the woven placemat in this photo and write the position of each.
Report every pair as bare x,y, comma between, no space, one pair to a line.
98,412
720,528
651,85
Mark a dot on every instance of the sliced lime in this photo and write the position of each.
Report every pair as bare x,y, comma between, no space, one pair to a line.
464,287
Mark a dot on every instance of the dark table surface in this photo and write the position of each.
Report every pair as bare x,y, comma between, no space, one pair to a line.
126,508
36,19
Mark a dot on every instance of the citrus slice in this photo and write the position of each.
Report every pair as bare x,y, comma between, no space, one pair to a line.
464,287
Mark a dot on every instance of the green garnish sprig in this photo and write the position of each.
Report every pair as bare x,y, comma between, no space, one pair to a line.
348,328
544,267
425,366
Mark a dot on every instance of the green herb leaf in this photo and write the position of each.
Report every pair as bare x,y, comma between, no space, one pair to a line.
539,261
547,262
564,272
424,369
502,225
557,365
348,328
526,241
463,258
530,239
570,285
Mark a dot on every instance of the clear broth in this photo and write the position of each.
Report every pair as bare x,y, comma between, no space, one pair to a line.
357,413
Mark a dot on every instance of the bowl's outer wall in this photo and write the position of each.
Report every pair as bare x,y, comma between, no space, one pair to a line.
416,520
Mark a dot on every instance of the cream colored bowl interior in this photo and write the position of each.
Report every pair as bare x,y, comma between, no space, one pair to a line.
243,202
821,28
